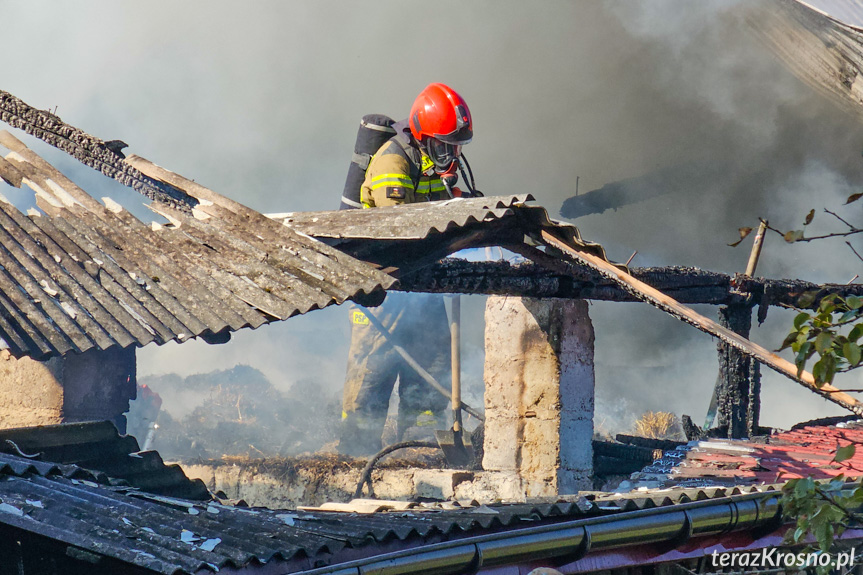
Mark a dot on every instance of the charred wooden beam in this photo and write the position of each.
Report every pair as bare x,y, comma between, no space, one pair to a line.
686,285
739,377
89,150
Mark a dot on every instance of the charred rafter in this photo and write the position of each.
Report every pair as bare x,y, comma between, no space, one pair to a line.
686,285
104,157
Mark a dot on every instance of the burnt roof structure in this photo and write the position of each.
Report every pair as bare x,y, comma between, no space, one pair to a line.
82,275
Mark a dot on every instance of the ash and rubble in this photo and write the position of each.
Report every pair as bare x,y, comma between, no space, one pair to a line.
238,416
237,413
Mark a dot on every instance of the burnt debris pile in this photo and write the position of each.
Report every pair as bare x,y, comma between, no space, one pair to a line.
235,412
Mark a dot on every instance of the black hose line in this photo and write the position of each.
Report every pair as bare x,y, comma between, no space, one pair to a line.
366,476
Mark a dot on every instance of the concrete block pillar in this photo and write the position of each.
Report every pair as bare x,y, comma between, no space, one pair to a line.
539,393
94,385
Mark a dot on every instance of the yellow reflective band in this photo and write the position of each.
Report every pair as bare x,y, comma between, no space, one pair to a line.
390,180
391,184
401,177
344,414
428,186
359,318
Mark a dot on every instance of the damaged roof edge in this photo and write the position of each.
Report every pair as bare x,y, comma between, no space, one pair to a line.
573,540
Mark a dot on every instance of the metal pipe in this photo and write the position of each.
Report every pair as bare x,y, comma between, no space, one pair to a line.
571,540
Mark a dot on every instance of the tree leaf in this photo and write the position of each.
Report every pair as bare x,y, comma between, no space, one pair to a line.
809,217
844,453
823,342
793,236
853,198
856,332
743,233
800,319
818,372
789,340
854,302
829,362
851,351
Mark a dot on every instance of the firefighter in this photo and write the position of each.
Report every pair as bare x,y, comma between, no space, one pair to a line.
418,164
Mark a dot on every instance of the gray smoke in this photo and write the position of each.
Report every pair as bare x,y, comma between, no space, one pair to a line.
261,102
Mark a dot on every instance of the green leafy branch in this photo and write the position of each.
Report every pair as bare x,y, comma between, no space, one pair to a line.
833,330
823,509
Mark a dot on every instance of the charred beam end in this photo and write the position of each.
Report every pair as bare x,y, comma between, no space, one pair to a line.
686,285
89,150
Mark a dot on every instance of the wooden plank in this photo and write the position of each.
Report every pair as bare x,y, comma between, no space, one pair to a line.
10,174
51,173
669,305
10,142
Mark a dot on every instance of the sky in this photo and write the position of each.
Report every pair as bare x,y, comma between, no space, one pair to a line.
260,101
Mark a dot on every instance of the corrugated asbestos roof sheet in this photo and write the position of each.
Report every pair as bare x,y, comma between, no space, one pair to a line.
820,41
83,275
779,457
405,222
443,227
95,450
172,535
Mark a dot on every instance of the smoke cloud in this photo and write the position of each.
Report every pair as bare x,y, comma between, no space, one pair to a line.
261,103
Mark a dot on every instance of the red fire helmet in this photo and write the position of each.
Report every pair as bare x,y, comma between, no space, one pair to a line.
440,113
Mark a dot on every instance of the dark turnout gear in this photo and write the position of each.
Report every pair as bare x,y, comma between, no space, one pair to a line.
418,323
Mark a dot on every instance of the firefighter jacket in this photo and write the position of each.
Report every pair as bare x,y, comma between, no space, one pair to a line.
399,173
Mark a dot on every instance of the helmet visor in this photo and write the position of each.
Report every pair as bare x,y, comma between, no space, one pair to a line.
463,132
442,154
